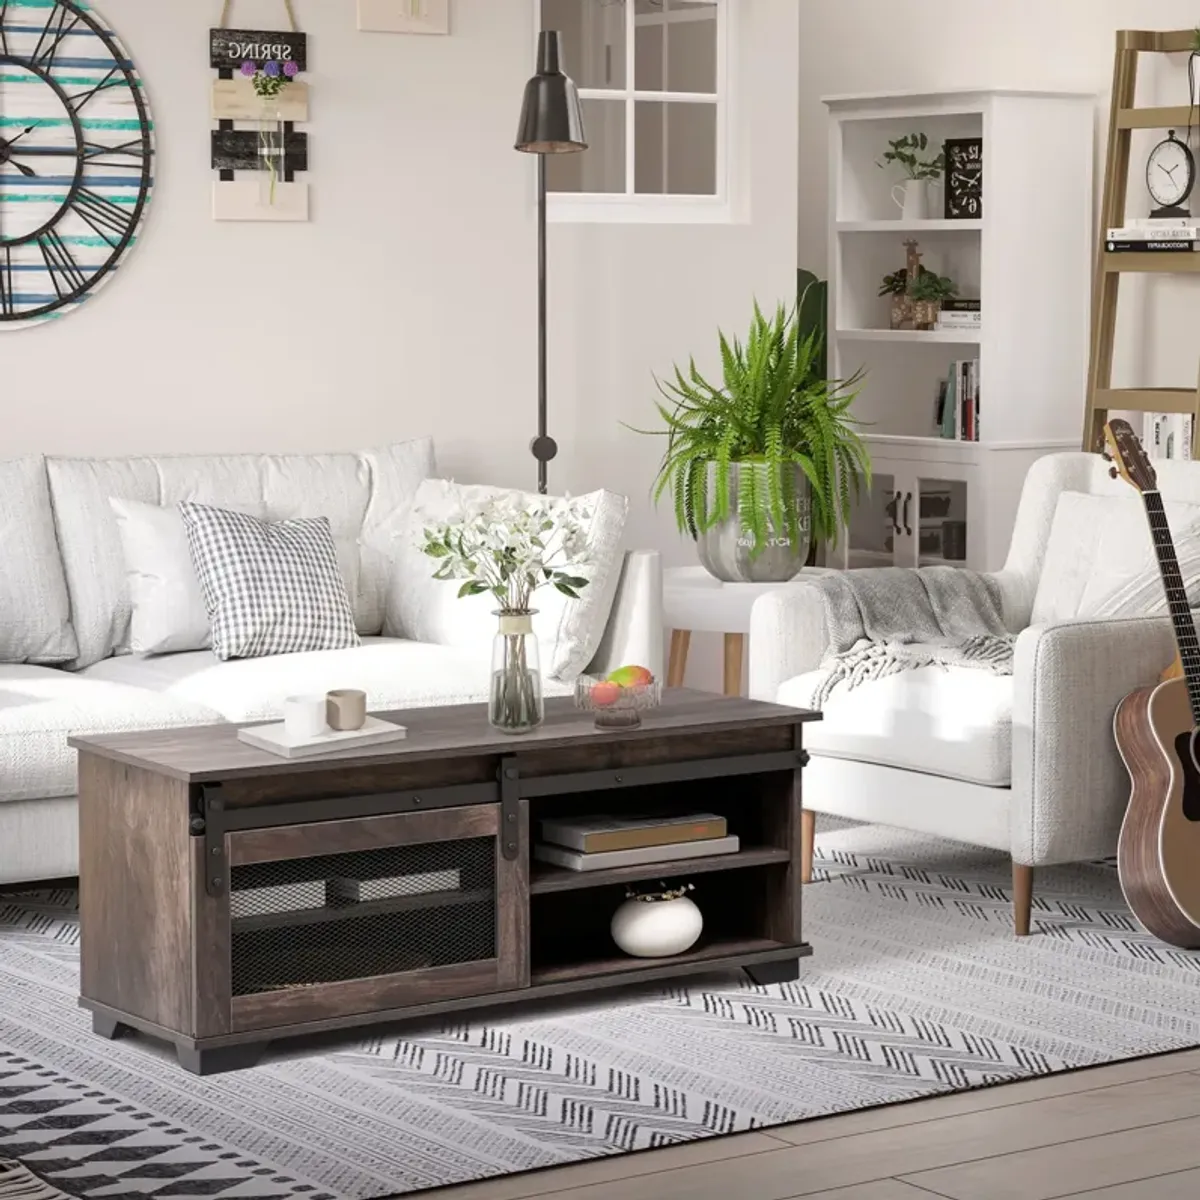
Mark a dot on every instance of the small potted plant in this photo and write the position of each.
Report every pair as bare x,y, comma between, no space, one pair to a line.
767,457
928,291
895,285
911,154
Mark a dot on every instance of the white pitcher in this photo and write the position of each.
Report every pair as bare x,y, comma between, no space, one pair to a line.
913,199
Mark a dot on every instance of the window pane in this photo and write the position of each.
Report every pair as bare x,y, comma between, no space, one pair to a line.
692,48
676,48
675,149
601,167
593,36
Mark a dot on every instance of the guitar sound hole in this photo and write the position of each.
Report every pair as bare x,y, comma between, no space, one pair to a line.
1187,746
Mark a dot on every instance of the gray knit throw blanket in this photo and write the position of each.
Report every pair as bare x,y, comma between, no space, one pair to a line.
893,619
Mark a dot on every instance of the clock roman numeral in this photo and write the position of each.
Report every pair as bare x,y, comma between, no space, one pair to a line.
109,220
81,98
61,264
3,36
6,281
130,156
51,37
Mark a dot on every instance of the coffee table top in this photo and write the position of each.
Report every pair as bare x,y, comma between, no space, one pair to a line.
205,753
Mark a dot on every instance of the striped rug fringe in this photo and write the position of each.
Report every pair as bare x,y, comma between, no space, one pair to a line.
20,1183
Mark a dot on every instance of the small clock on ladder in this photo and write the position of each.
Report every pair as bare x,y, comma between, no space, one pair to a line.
1170,176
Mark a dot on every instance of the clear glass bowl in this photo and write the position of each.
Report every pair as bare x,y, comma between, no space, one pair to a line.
614,706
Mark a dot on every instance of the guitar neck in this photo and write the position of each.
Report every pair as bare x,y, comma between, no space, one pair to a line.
1177,601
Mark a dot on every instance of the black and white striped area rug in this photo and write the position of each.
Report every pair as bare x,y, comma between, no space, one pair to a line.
916,987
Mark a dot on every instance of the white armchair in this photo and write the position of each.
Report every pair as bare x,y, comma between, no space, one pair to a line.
1025,764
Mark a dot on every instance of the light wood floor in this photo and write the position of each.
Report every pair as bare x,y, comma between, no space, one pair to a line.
1125,1132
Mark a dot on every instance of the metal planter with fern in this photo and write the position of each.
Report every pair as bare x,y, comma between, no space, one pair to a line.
770,458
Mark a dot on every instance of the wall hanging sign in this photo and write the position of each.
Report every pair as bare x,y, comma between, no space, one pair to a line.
404,16
257,99
76,158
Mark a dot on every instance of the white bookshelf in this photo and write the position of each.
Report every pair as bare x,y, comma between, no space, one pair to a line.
1028,261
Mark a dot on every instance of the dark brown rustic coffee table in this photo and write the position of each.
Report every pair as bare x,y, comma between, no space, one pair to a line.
229,897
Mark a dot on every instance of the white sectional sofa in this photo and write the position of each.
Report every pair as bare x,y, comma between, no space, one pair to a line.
65,662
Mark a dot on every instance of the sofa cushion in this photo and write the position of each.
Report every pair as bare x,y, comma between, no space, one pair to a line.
1099,546
429,610
394,674
35,623
955,723
167,613
41,707
340,487
270,587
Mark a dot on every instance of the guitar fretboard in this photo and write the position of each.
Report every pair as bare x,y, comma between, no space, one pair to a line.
1177,600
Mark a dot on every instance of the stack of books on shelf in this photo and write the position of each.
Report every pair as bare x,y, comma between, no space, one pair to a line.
597,842
958,315
1167,435
956,414
1155,235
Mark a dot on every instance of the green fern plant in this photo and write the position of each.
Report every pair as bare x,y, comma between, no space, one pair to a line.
774,408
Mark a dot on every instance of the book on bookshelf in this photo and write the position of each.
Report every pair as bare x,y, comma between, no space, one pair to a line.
577,860
1134,246
959,305
1185,222
1142,233
958,403
1168,435
602,832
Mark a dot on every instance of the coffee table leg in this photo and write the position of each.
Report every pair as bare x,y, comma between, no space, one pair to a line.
677,664
766,973
220,1059
735,645
109,1027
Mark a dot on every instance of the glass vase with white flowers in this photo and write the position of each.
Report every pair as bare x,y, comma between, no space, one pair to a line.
510,547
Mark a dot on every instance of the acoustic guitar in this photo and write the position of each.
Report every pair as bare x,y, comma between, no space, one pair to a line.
1158,855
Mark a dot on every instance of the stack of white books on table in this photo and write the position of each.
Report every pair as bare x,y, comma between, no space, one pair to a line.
597,842
1154,235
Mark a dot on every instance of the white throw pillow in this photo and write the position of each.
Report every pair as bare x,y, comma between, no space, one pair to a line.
425,609
168,607
1100,559
35,615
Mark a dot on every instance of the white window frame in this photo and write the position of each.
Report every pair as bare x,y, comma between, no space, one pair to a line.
630,207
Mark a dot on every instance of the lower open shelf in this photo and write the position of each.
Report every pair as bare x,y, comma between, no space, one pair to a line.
620,964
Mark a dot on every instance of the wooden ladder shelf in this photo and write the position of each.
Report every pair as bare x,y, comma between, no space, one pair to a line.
1101,395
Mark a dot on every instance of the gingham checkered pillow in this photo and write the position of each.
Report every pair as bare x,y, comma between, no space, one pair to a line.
269,587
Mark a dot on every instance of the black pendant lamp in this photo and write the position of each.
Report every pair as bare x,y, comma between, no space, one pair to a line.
551,123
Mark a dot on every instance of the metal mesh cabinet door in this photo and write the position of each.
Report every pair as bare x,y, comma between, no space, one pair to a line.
369,915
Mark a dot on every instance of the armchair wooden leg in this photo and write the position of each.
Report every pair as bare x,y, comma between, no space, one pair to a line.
1022,898
808,829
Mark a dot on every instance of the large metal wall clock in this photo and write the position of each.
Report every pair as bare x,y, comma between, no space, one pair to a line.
76,157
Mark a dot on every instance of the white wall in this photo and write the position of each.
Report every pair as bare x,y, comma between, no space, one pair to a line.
868,46
408,303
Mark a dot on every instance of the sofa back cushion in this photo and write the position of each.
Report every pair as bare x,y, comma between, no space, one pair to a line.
1098,550
340,487
35,618
425,609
